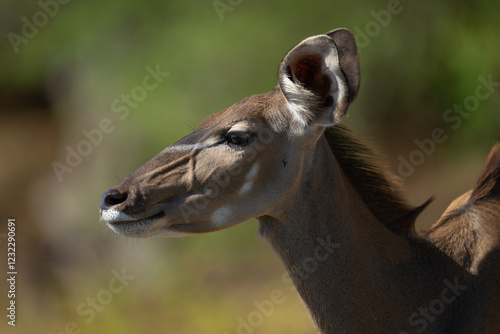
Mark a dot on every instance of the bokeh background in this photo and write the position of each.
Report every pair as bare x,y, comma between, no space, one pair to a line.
61,76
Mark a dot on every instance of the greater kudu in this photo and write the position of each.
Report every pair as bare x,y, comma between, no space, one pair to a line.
282,157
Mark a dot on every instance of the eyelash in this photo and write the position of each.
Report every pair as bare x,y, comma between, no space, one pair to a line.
238,138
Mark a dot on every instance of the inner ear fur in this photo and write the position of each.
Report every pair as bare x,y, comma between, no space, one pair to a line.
308,70
321,73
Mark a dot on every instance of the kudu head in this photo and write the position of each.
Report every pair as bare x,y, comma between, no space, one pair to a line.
240,162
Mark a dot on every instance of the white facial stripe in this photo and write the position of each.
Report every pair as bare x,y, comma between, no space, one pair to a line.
243,127
221,216
198,146
207,143
253,172
249,179
246,188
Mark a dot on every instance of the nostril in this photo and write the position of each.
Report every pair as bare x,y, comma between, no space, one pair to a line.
111,198
115,199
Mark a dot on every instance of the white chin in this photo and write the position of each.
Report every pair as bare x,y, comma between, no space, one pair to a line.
129,226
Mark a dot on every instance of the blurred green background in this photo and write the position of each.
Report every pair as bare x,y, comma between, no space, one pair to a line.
62,66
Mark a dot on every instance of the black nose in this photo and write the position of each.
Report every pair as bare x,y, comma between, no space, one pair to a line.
112,198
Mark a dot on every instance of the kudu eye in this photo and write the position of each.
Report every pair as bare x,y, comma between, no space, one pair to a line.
238,138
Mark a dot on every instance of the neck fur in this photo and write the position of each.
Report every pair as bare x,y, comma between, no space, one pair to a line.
334,247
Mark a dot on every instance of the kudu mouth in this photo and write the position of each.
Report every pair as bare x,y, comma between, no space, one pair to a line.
139,205
142,224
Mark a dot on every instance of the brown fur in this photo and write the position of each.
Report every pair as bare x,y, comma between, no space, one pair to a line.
470,228
488,185
380,189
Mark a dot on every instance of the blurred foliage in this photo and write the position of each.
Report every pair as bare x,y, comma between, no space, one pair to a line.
415,64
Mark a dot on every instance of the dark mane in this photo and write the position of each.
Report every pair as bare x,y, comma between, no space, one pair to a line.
378,187
488,183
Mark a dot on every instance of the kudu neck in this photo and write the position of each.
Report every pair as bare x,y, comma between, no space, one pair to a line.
330,242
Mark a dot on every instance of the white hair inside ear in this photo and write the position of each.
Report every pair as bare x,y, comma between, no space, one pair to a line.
313,80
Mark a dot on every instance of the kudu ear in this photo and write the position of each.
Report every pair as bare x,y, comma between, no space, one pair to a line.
320,77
